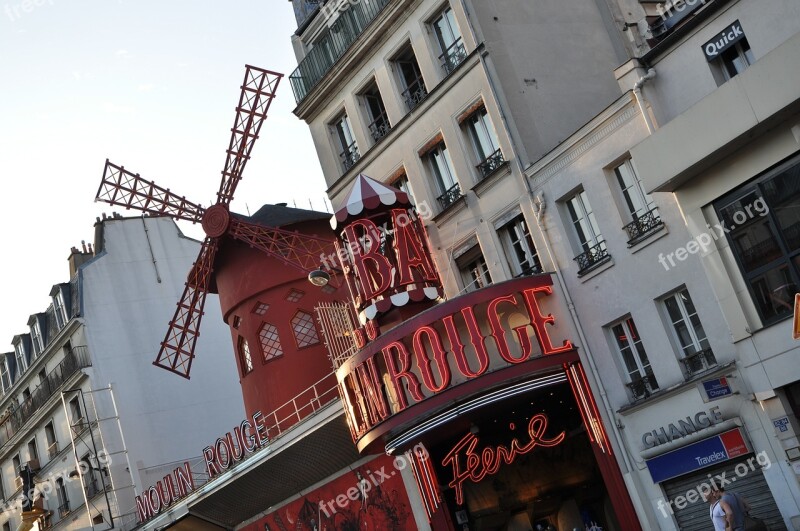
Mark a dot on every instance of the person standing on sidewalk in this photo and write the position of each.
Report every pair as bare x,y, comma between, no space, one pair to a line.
727,510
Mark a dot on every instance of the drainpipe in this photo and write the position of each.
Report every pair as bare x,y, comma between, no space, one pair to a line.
637,91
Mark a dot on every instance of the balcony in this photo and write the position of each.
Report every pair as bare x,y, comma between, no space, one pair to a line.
453,56
449,197
592,258
643,226
349,156
75,360
342,34
63,509
643,387
52,450
491,164
380,127
415,93
698,362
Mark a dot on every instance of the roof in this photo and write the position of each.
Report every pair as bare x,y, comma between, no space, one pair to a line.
282,215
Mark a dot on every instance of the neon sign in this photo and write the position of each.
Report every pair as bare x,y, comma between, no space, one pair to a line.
472,465
459,340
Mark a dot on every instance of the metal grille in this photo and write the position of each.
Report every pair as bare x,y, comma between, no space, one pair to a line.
752,486
270,342
304,331
338,322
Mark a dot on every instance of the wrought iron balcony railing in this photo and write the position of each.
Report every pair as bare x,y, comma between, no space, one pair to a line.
491,164
643,226
450,196
63,509
342,34
453,56
415,93
528,270
591,258
380,127
52,450
699,361
349,156
76,359
643,387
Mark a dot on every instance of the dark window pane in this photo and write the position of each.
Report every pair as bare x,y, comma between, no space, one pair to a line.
783,197
774,292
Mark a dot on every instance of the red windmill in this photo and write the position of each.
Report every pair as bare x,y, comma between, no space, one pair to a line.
123,188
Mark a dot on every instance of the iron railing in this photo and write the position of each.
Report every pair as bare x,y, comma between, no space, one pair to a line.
349,156
699,361
592,257
342,34
450,196
643,226
63,509
491,164
643,387
453,56
76,359
415,93
52,450
380,126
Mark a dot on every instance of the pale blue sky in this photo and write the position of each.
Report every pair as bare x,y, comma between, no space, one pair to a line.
152,85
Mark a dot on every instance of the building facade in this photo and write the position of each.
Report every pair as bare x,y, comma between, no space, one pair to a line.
84,409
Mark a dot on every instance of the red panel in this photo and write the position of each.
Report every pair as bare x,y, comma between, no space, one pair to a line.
371,497
734,443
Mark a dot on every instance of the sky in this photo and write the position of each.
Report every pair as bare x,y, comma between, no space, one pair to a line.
151,85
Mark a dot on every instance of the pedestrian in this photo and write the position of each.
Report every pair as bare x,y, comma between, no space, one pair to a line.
727,510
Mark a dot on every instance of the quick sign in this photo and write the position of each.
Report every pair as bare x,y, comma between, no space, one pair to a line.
701,454
717,388
723,40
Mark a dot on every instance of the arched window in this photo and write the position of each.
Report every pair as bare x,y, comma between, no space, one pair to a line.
305,333
270,342
244,356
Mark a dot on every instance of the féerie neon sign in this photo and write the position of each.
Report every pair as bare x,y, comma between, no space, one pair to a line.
470,465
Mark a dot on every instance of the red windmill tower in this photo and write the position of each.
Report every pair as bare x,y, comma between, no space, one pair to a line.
299,250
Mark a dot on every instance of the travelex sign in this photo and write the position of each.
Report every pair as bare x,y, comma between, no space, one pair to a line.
682,427
696,456
249,436
723,40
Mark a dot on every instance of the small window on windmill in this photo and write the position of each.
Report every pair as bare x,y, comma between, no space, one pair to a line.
294,295
260,308
237,321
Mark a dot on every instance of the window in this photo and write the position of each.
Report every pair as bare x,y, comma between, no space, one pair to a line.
60,310
294,295
401,183
641,209
519,249
591,242
33,451
449,40
734,61
237,321
305,333
77,415
473,269
410,76
5,374
89,477
441,168
260,308
244,356
63,501
345,142
689,333
763,220
16,463
36,338
484,142
50,437
22,360
270,342
376,112
642,382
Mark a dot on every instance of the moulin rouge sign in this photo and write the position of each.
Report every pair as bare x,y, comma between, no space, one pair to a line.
234,446
456,341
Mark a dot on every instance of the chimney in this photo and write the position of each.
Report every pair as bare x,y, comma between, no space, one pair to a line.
77,257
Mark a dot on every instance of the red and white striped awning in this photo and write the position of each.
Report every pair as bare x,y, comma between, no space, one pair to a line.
367,193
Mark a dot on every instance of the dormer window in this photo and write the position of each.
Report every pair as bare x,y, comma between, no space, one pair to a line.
20,355
5,374
37,341
59,309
